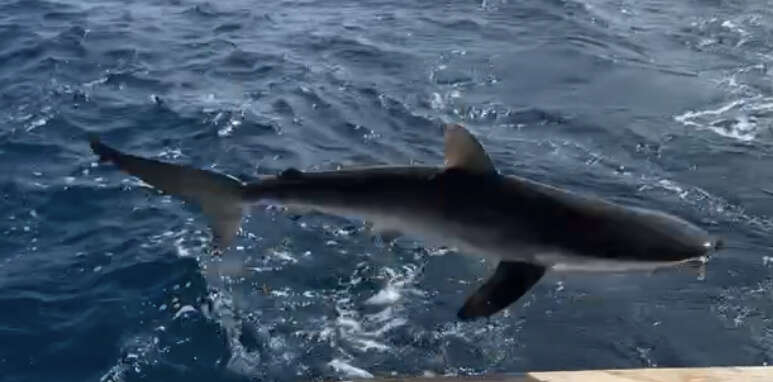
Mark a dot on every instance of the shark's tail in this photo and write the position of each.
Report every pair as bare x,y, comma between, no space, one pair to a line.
219,196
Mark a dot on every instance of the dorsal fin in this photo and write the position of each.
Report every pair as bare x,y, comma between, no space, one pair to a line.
464,151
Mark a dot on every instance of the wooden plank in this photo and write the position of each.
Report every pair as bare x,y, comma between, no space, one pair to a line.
478,378
709,374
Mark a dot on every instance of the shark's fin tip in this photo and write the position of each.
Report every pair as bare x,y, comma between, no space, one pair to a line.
462,150
103,151
510,281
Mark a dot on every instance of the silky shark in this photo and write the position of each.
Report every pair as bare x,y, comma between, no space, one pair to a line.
527,226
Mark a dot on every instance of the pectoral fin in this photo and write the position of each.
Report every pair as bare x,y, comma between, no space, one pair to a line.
510,281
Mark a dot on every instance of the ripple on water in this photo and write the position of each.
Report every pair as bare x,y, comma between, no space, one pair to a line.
108,279
747,112
746,308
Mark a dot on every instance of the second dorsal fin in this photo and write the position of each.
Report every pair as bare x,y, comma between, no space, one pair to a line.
463,151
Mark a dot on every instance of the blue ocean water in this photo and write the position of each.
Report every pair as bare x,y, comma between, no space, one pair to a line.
654,103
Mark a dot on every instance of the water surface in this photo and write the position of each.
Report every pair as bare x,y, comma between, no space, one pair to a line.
654,103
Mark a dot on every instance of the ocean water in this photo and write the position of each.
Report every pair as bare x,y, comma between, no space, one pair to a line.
662,104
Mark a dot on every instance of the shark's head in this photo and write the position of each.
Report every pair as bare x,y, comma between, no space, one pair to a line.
675,239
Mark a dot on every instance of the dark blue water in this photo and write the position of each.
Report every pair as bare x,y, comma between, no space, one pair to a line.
654,103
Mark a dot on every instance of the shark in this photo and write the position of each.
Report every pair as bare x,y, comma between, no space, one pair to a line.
527,227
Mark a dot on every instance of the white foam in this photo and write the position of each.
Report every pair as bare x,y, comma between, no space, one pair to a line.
671,186
729,24
393,323
348,370
280,293
183,310
242,361
284,255
140,351
93,83
388,295
171,153
182,251
738,119
365,345
229,127
436,102
397,282
36,123
364,333
644,354
349,324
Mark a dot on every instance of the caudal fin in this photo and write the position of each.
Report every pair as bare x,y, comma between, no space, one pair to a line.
218,196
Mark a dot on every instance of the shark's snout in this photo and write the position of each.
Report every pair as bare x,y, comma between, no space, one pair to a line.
713,244
718,244
707,250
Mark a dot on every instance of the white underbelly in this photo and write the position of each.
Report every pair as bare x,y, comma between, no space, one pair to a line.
475,241
570,263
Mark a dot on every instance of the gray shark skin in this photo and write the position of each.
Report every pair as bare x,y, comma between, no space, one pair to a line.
529,227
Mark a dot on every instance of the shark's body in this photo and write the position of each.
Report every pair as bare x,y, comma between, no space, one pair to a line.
504,217
528,226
